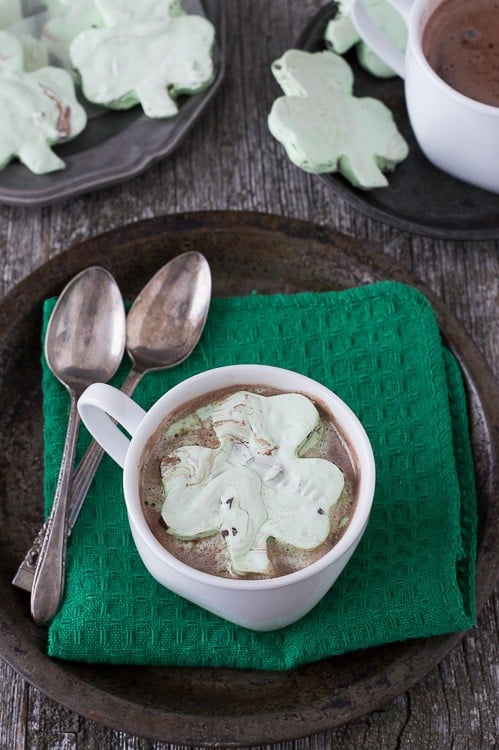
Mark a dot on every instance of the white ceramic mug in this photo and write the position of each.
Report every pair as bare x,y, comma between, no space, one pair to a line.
265,604
458,134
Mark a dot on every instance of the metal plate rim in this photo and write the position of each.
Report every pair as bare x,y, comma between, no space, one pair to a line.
61,682
127,153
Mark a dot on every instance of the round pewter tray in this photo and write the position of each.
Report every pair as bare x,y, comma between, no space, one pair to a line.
213,707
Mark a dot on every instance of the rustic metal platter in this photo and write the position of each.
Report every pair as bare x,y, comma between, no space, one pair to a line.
420,198
213,707
116,146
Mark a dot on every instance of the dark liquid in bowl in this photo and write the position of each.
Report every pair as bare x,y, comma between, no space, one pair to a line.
209,554
461,43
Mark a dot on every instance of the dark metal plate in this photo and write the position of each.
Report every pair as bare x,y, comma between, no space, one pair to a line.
420,198
115,146
211,707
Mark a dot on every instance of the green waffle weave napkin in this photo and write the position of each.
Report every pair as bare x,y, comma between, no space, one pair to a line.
412,575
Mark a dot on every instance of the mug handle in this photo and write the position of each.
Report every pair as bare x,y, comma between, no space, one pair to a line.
98,406
375,38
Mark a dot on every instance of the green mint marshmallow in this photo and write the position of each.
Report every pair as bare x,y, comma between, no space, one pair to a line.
254,485
341,35
325,128
37,110
150,64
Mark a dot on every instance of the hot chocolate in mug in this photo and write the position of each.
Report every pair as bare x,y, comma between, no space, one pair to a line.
457,133
259,604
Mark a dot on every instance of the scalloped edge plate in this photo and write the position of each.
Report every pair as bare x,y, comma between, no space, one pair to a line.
115,146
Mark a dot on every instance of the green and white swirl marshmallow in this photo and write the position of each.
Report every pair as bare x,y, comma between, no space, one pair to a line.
255,485
325,128
38,109
341,35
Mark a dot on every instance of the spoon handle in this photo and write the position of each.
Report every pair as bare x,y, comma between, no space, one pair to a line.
48,583
82,479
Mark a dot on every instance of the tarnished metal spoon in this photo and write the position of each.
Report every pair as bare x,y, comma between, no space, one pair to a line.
84,344
163,327
168,317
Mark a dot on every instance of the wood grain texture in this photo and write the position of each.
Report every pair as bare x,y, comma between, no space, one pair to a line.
231,162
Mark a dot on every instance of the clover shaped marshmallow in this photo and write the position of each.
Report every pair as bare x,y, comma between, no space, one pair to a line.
34,50
341,35
10,12
68,18
37,110
151,63
254,485
325,128
122,12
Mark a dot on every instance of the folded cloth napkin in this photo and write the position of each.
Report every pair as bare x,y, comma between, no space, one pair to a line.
412,575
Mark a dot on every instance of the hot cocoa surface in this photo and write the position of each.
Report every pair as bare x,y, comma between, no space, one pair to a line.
461,43
209,553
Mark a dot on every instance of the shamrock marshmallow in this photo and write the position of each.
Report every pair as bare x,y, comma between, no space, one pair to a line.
341,34
35,52
123,12
10,12
148,63
67,18
254,486
324,128
37,109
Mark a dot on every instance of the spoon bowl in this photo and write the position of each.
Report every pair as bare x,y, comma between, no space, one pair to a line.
167,318
85,337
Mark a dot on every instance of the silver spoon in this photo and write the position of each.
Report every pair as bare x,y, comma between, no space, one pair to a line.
84,343
164,325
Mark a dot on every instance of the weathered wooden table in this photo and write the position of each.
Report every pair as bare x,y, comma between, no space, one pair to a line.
231,162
